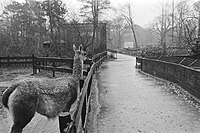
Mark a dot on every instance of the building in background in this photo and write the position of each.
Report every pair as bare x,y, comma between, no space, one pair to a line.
144,37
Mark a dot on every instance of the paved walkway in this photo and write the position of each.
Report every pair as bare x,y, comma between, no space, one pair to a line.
132,102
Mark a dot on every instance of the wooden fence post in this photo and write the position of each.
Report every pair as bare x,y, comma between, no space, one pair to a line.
84,104
88,69
63,121
83,112
33,64
43,63
54,65
39,63
46,61
89,87
136,62
8,60
26,64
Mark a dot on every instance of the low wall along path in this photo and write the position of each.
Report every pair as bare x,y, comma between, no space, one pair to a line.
131,102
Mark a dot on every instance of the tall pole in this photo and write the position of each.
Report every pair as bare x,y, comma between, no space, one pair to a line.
172,21
162,28
199,26
97,12
51,23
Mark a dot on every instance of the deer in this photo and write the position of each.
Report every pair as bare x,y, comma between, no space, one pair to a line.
48,97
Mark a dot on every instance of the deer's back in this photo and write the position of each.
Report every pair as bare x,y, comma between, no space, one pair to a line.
54,95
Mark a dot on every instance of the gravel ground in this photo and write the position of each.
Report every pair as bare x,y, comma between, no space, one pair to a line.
128,101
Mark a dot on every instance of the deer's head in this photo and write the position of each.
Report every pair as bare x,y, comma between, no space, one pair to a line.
80,52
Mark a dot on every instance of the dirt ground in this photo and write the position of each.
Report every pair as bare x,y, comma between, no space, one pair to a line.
39,124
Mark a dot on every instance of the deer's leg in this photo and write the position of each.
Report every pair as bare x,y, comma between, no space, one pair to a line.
21,117
22,110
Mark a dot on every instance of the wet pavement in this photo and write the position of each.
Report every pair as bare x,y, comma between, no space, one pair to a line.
132,102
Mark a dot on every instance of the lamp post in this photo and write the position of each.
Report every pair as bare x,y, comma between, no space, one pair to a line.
199,26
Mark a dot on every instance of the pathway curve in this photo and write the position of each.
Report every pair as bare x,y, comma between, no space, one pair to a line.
132,102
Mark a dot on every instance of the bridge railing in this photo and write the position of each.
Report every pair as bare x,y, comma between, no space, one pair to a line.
187,77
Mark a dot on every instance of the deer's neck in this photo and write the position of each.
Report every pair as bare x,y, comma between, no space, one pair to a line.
78,68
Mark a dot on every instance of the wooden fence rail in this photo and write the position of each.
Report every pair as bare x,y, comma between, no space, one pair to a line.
57,64
53,64
46,63
17,60
83,104
81,113
114,52
98,56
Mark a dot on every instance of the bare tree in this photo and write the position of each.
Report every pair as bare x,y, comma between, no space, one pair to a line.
173,15
162,25
176,23
91,10
197,9
127,13
118,30
183,11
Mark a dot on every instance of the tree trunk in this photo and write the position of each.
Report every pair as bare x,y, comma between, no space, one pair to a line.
51,22
172,22
134,35
199,26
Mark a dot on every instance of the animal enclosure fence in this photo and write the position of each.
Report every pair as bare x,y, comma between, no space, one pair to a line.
16,61
113,53
48,63
55,65
83,104
85,86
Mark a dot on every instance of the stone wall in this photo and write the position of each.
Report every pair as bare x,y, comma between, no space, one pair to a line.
186,77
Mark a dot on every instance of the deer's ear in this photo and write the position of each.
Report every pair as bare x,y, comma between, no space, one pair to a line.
74,48
81,47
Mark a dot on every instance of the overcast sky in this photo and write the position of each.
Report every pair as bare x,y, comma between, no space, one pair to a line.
144,10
